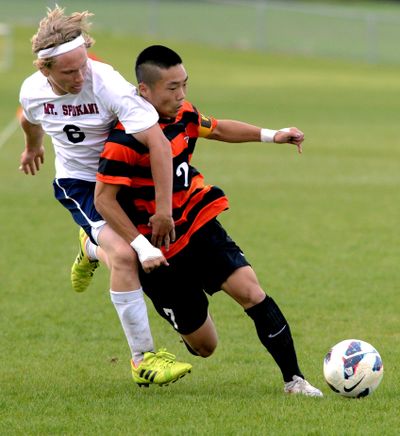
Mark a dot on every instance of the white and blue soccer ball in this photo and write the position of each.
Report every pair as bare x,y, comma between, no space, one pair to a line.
353,368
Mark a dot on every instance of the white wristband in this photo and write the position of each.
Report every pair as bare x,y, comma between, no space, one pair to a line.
144,249
267,135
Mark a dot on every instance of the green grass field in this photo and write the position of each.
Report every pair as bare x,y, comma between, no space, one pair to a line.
320,229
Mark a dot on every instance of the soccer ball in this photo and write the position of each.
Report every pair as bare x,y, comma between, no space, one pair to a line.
353,368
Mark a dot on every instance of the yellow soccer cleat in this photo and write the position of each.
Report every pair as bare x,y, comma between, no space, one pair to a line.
159,368
83,268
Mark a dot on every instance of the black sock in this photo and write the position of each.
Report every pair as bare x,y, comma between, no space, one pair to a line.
274,333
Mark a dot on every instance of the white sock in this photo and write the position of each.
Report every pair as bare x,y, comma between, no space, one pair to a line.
132,312
91,250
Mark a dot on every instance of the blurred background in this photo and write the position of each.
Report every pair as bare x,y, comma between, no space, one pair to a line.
357,30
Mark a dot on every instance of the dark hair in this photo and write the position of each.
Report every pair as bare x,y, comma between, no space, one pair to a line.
154,56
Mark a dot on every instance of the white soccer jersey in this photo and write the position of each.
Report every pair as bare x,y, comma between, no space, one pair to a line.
79,123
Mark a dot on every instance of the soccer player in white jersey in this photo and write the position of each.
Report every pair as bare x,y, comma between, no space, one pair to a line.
76,100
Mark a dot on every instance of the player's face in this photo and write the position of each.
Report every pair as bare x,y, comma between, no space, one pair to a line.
67,74
168,93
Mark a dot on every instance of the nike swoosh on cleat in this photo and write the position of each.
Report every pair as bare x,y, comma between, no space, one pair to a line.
276,334
354,386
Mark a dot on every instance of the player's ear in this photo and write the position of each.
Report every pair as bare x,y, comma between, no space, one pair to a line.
45,71
143,90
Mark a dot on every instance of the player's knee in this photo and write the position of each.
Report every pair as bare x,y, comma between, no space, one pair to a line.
248,296
205,350
205,347
252,296
123,257
243,286
201,348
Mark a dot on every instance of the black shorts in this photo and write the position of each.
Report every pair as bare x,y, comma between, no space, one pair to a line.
178,291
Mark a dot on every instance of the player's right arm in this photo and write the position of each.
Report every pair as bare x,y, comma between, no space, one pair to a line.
162,224
33,155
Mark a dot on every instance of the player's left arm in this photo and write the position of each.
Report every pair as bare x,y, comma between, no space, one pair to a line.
238,131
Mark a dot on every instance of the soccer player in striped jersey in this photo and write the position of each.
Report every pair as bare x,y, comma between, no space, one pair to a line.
76,100
203,259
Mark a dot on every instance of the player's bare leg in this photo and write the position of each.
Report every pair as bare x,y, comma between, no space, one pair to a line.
204,340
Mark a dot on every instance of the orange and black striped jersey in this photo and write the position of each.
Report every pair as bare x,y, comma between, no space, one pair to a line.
126,162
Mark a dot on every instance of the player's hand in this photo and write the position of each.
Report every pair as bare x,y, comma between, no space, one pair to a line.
290,135
31,160
153,263
149,256
162,230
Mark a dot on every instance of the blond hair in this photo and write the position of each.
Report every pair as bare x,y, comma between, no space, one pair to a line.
56,29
